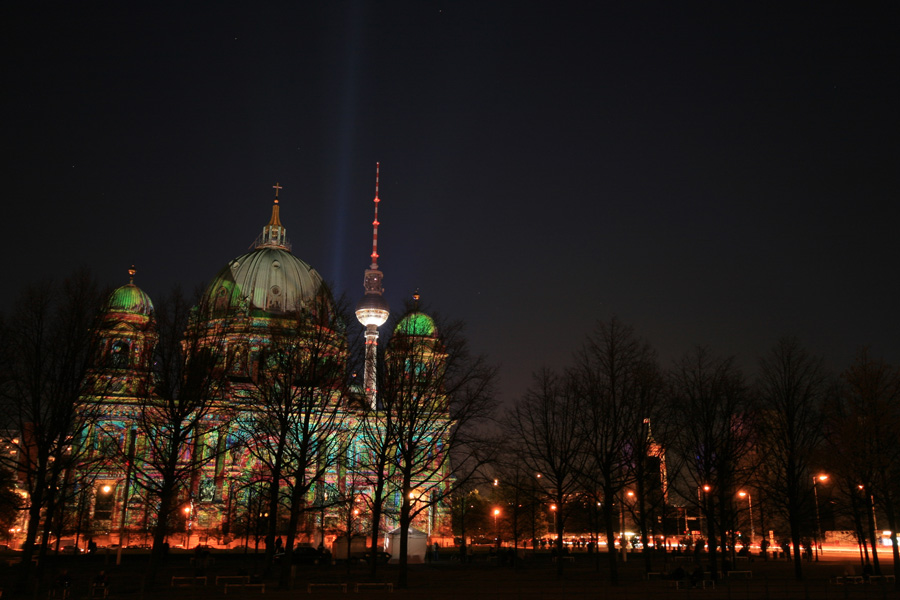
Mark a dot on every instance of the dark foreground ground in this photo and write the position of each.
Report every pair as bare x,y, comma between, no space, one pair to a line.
534,579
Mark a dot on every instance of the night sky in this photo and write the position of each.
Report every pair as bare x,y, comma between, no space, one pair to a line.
719,173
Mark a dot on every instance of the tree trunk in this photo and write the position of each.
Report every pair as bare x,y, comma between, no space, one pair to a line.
892,523
559,537
873,536
34,517
402,576
611,558
297,509
711,537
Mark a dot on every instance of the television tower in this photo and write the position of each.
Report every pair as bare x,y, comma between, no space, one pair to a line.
372,310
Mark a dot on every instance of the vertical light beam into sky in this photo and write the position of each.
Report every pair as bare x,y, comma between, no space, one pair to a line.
349,107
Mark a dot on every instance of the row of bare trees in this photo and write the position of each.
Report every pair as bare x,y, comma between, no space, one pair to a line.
616,432
284,416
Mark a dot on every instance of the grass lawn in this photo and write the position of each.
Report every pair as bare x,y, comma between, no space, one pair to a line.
535,578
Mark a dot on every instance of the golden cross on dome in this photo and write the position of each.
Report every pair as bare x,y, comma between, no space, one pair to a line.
277,187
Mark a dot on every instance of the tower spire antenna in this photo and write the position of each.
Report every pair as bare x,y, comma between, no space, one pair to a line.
375,222
372,310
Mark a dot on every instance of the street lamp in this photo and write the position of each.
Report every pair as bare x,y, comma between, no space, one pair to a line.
187,526
702,504
534,486
631,497
496,529
823,478
750,506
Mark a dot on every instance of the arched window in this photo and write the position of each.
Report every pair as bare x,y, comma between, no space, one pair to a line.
118,354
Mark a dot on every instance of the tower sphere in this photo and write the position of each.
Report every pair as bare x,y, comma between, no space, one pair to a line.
372,309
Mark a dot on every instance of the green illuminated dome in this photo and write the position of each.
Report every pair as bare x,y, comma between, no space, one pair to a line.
418,324
269,278
130,299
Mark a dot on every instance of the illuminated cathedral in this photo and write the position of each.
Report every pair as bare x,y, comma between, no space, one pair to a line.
244,315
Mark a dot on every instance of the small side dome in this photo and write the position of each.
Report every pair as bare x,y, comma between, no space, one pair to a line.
130,299
418,324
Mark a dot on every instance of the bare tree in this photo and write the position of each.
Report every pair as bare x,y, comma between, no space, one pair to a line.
619,383
46,352
715,437
435,397
376,467
182,418
792,387
546,427
863,424
294,424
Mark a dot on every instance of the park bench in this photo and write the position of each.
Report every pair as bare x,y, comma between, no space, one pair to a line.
683,584
375,585
188,581
741,574
261,586
565,557
232,579
326,586
99,589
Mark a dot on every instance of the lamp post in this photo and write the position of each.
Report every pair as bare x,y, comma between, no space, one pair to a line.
187,527
534,485
705,489
750,506
497,531
632,499
816,481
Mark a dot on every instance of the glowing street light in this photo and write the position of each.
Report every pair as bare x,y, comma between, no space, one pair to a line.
750,506
187,524
706,488
823,478
497,529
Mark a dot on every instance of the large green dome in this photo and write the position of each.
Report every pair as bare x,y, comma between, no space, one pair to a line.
130,299
269,278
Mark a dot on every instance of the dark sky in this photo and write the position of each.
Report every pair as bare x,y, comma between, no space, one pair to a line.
720,174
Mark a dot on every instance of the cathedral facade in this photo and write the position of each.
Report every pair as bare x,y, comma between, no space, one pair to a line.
272,419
